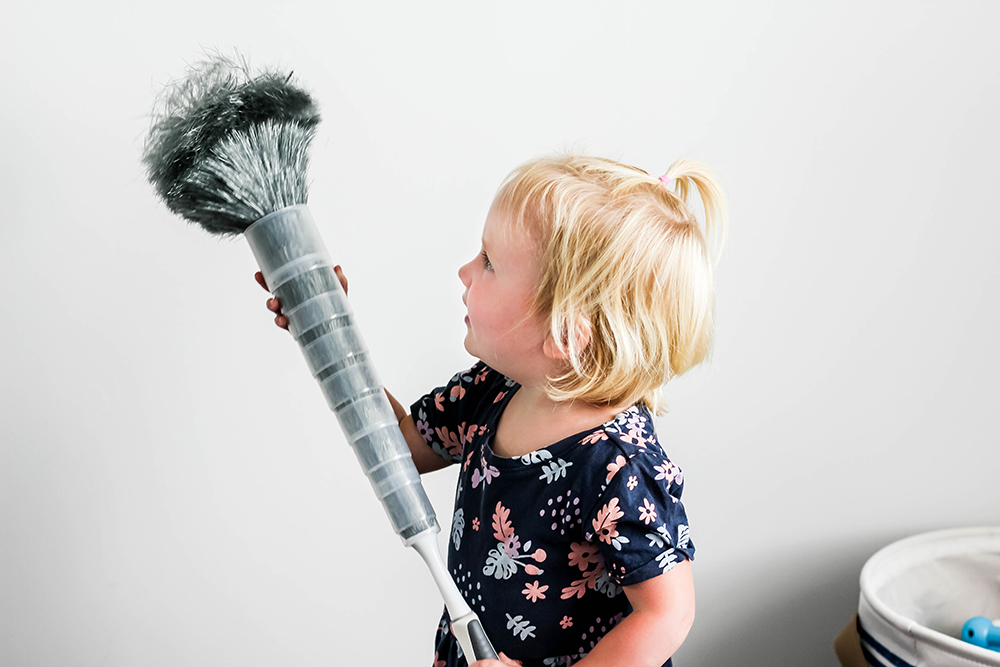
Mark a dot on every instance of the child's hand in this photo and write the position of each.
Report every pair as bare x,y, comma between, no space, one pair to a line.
274,305
504,661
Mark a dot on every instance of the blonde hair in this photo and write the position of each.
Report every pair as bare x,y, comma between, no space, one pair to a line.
626,271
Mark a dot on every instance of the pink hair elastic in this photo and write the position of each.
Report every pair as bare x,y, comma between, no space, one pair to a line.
665,181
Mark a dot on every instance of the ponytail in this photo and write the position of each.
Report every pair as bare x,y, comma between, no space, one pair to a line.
687,175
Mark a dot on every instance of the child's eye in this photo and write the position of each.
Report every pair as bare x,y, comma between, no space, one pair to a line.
486,261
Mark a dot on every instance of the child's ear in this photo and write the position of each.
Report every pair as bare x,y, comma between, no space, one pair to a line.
579,334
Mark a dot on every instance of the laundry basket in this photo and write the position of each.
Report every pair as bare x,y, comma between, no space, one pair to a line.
917,593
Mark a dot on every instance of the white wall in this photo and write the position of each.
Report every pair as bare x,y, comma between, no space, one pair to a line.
172,487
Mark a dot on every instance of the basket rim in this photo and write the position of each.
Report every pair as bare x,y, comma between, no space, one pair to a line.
921,548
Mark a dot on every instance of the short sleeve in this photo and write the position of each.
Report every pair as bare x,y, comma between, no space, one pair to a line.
448,417
639,523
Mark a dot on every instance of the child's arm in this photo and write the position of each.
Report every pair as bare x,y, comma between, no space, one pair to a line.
662,614
425,458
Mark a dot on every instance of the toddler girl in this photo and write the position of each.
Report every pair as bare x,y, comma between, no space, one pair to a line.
593,289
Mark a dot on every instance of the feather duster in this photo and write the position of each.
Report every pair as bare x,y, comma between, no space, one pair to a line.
229,150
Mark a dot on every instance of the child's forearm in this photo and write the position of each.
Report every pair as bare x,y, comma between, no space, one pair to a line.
638,641
663,611
424,457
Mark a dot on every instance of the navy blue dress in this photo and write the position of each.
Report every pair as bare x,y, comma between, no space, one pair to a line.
541,545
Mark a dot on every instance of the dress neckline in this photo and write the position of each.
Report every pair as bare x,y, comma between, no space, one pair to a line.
542,454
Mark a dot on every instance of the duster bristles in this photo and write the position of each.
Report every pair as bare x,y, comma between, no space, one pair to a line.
226,148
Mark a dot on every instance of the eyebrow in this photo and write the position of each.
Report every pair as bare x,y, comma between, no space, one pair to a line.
485,245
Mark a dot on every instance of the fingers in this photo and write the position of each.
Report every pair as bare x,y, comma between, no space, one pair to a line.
504,661
340,275
272,304
275,307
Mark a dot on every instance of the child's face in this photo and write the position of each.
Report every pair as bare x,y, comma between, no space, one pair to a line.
499,285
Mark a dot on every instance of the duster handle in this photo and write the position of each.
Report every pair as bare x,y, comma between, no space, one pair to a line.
298,270
464,622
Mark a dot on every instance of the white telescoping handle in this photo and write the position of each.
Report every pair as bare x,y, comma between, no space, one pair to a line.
464,622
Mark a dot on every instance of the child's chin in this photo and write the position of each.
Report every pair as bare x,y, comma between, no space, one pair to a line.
473,349
469,346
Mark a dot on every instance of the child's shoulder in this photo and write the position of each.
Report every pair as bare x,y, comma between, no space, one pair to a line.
631,433
629,442
480,376
467,406
473,385
635,515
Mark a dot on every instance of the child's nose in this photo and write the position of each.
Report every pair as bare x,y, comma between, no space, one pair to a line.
464,273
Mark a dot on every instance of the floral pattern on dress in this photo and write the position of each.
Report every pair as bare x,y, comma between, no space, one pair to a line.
535,591
502,562
554,471
457,528
521,628
667,558
555,534
588,559
606,525
632,426
669,472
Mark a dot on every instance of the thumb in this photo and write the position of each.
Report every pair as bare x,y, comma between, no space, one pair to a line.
340,276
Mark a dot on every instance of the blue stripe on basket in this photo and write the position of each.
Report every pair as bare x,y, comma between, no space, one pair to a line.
885,653
870,658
